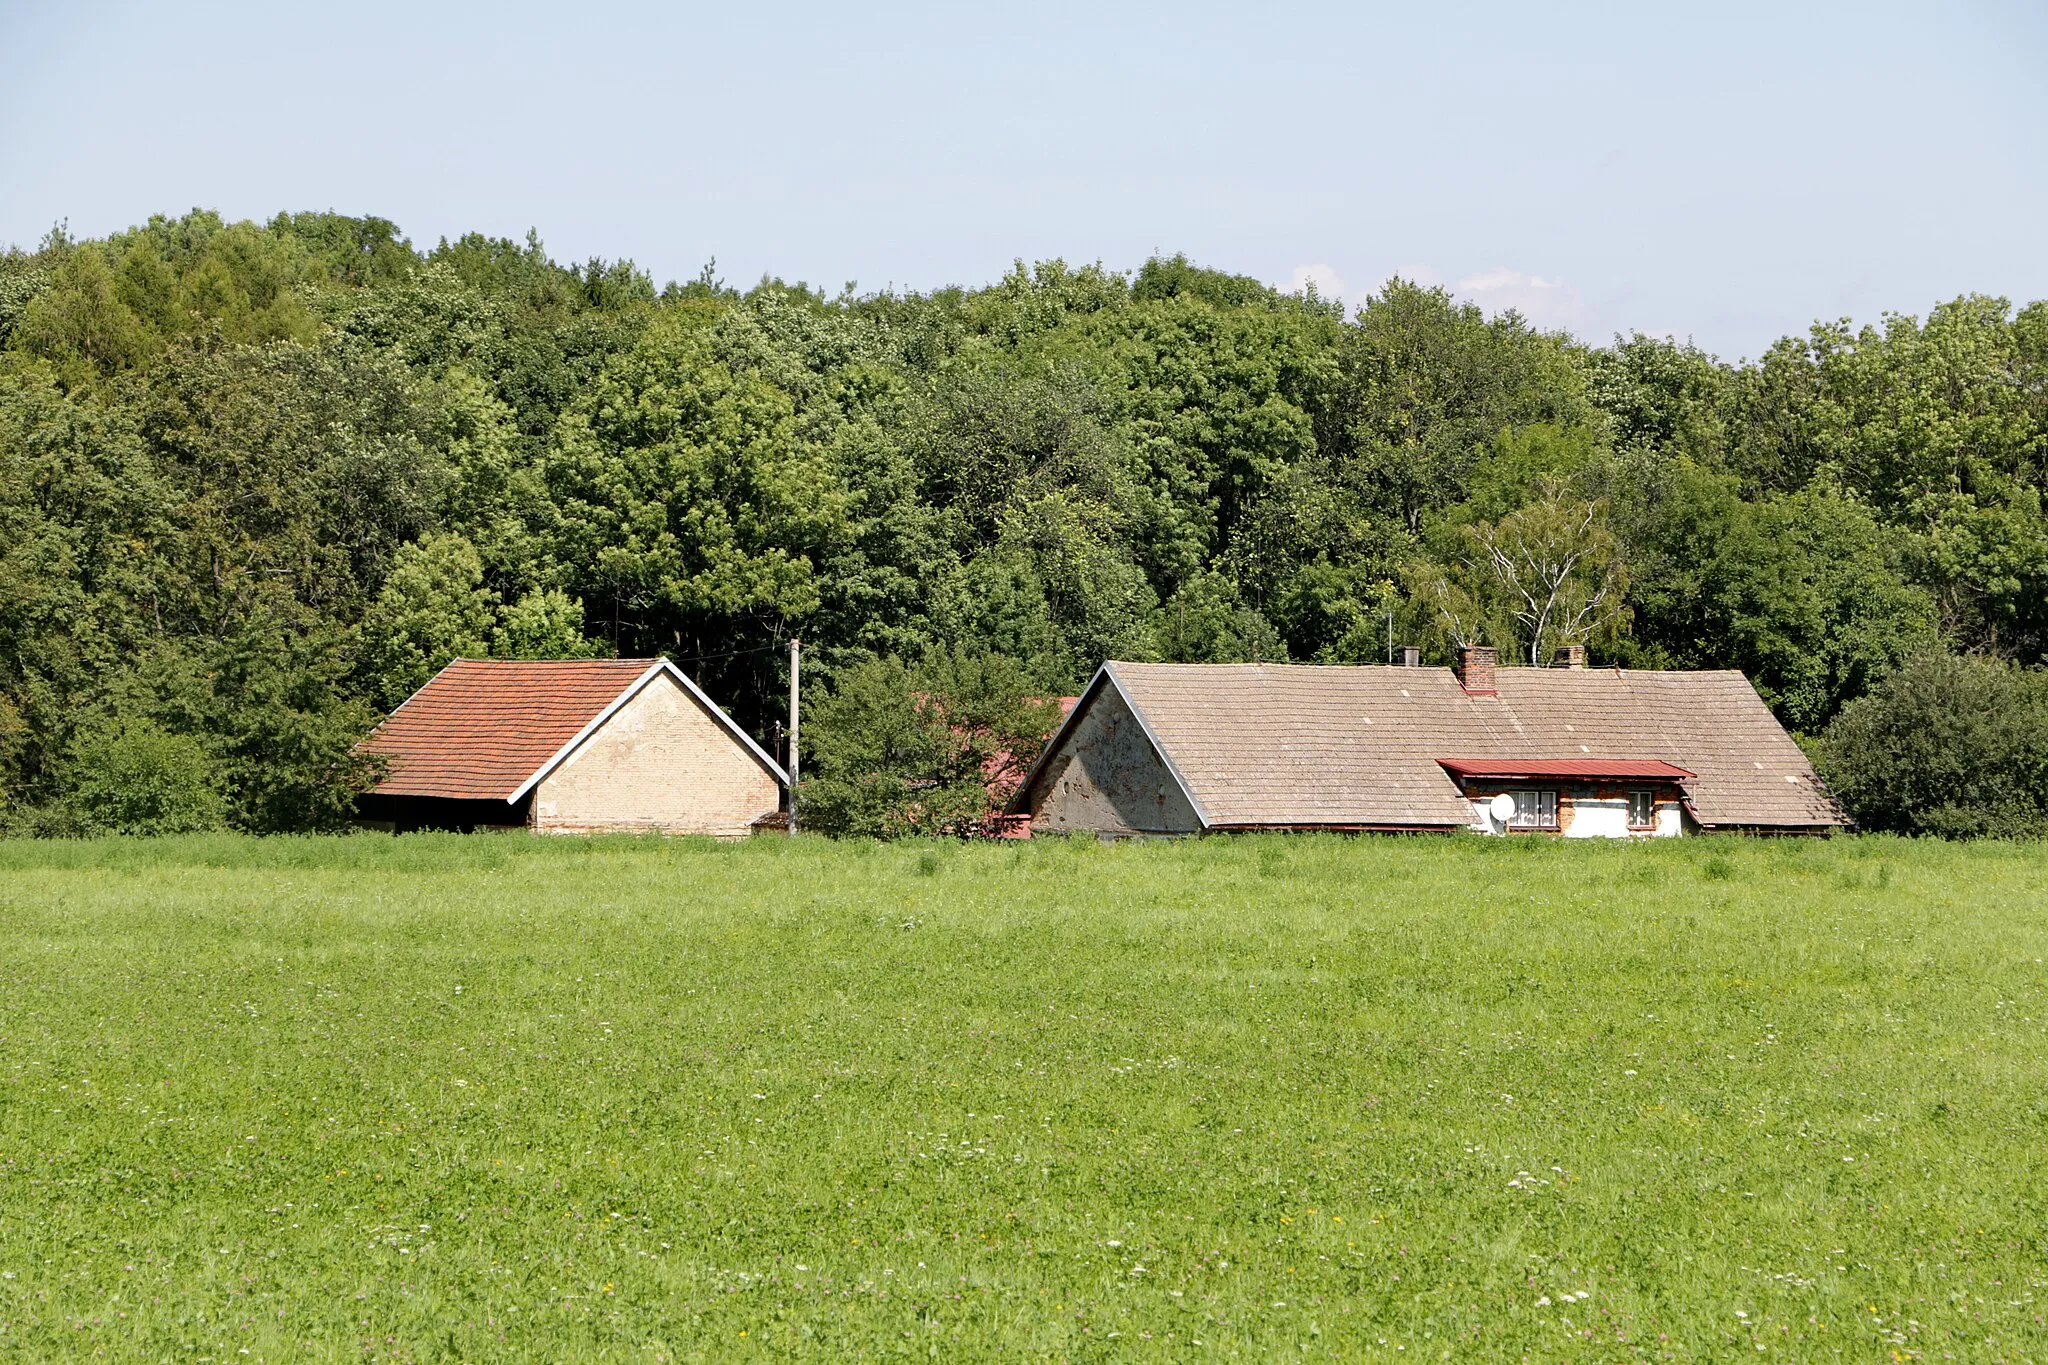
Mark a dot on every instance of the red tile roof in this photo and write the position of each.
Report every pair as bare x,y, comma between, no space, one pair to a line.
1002,770
1616,769
482,727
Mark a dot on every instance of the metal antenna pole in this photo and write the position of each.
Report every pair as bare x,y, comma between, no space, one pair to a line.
795,715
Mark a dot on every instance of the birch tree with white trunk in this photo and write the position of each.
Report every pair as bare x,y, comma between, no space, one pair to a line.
1547,575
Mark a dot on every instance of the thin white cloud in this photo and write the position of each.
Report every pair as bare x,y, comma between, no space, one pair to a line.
1491,280
1328,283
1545,302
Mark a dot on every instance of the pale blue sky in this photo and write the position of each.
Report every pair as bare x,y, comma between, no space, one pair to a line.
1728,171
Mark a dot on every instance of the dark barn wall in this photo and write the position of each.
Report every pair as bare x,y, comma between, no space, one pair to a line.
1108,779
404,814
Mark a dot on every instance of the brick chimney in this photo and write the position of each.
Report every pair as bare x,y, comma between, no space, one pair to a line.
1475,669
1569,656
1411,656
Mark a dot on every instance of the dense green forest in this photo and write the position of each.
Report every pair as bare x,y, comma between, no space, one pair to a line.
258,481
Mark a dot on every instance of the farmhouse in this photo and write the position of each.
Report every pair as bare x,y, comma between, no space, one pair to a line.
569,747
1571,750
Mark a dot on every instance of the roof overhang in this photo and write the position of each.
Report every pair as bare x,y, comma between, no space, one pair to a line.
1340,827
1564,769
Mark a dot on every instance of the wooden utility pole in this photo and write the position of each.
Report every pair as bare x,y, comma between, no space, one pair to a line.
796,663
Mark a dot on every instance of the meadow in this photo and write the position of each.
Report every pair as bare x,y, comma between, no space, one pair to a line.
496,1098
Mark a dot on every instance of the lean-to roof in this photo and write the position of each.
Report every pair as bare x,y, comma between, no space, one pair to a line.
1565,769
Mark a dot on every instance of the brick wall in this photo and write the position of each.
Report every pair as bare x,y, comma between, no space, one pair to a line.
660,764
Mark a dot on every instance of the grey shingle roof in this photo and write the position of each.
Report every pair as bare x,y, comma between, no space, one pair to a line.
1291,744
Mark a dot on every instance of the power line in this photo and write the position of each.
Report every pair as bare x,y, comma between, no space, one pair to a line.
729,654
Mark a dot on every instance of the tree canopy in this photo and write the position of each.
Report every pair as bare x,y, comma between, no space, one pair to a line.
257,481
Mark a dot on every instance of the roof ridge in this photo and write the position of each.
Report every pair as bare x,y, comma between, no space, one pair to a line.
616,659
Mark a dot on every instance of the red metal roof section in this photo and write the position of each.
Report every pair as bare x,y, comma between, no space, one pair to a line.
1611,769
481,727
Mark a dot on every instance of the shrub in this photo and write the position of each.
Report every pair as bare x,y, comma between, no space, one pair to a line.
931,749
1951,746
134,777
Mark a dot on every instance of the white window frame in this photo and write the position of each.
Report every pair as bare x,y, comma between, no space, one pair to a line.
1531,809
1649,800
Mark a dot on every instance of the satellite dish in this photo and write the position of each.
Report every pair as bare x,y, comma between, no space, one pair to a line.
1502,807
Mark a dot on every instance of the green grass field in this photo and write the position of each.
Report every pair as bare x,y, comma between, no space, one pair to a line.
443,1098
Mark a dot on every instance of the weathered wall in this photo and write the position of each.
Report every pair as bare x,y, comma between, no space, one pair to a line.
1108,779
1595,817
1603,814
661,763
1588,813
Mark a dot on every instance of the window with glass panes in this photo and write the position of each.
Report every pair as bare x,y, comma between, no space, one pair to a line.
1642,809
1534,810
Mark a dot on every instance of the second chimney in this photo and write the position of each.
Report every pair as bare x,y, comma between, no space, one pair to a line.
1569,656
1411,656
1475,669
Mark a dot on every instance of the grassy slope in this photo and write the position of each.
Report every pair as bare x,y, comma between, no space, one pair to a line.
493,1097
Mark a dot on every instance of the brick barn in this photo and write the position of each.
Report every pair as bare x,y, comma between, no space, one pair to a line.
569,747
1571,750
